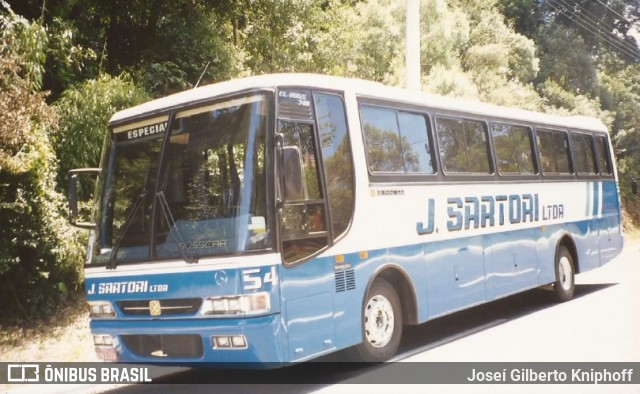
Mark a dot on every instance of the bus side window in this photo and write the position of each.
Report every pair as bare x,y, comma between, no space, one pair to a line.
382,140
604,161
554,152
514,149
584,155
464,146
397,141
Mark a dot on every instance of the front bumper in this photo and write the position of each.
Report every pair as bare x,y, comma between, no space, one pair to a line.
187,341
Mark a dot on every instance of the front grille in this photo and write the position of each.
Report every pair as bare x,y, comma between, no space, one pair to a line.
164,346
179,306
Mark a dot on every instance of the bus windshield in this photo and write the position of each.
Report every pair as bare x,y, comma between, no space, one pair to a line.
205,195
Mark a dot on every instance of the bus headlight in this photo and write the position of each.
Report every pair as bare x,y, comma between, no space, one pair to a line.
101,309
244,305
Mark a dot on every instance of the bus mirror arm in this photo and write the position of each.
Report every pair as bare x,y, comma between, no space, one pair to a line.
634,186
73,196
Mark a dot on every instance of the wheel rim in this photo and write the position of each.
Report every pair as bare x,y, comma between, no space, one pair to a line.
378,321
565,271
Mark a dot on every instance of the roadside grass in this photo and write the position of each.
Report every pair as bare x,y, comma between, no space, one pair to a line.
63,337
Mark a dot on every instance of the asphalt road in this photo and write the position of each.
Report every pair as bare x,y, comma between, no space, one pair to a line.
601,323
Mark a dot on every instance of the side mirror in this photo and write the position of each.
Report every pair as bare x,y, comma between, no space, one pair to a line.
74,212
294,185
290,172
634,187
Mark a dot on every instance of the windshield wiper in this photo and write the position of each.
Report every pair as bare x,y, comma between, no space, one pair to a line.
112,264
171,224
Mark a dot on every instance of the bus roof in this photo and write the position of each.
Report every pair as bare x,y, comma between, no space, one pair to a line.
358,87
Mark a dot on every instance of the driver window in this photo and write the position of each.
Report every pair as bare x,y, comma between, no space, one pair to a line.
303,216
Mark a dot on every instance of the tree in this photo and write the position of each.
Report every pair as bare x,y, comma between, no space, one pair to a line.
151,39
84,112
562,49
39,253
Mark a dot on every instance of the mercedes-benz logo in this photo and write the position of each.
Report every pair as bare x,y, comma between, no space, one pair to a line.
221,278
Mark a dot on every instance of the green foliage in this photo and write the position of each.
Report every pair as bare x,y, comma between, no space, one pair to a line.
191,42
563,102
26,41
561,50
620,94
66,60
522,53
84,112
468,50
39,252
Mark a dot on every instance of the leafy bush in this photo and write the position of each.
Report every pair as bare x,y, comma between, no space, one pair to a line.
39,252
84,112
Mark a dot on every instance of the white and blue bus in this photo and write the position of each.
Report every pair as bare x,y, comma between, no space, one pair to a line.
278,218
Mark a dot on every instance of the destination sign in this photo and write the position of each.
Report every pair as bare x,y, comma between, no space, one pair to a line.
142,131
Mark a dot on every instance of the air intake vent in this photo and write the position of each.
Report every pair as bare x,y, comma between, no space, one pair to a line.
351,279
164,346
345,280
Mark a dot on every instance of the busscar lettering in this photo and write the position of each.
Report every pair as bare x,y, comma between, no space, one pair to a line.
473,212
213,243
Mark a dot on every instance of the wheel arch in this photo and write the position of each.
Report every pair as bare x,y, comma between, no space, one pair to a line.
400,280
568,242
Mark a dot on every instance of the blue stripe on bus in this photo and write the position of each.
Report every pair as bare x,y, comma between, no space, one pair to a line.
610,198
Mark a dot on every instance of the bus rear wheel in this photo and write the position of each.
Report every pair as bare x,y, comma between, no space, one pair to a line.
565,285
381,323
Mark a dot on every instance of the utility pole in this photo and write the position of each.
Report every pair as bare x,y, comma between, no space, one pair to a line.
412,54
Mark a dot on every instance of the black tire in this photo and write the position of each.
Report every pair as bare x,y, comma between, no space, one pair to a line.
565,285
380,337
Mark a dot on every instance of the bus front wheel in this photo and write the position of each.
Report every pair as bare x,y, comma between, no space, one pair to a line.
565,285
381,323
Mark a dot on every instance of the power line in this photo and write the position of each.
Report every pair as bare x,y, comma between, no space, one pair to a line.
587,17
620,46
585,25
614,12
593,27
590,16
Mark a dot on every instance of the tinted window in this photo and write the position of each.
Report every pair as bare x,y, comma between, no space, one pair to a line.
514,148
382,138
416,148
583,154
336,156
299,152
604,160
303,216
396,141
463,145
554,152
